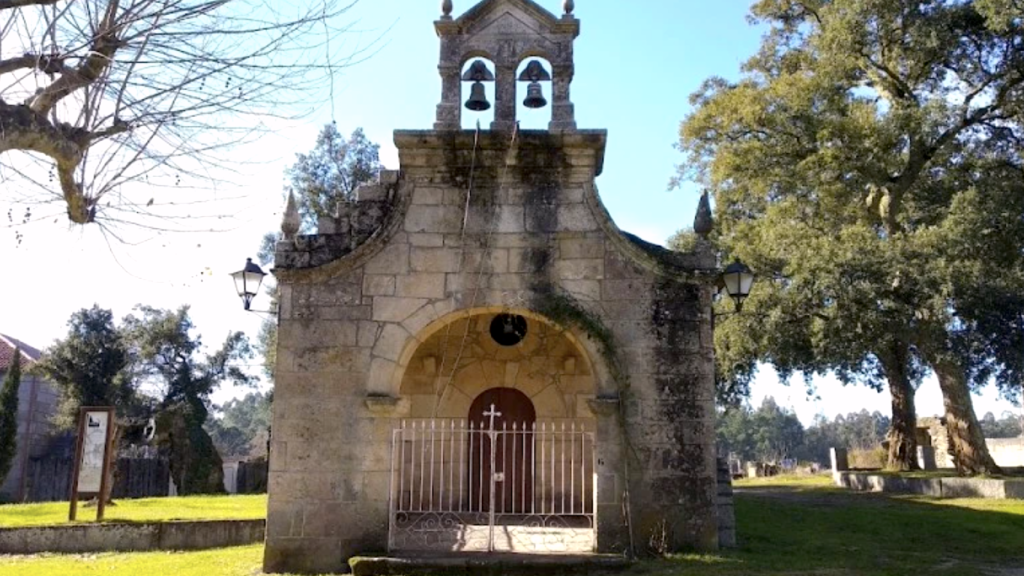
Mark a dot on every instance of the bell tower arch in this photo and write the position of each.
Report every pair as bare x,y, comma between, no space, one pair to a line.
509,32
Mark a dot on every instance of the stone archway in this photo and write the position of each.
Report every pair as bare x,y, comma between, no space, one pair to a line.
524,481
456,359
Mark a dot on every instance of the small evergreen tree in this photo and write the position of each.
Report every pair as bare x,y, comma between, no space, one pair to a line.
90,367
9,415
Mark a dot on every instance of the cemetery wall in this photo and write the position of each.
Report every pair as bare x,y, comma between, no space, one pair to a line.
125,537
1007,452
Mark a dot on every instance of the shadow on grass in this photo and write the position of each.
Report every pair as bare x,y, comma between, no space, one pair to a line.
798,530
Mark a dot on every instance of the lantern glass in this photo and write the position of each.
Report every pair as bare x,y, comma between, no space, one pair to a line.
739,280
247,281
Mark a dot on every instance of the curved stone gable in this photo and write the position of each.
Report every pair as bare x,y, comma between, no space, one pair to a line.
383,317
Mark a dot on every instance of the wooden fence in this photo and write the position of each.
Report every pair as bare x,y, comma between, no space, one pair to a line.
49,479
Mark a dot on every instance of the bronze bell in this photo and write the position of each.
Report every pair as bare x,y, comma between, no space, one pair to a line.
535,96
478,98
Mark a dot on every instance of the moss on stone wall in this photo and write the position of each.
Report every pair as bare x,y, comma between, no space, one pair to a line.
562,308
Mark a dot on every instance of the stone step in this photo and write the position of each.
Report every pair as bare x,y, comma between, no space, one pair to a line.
482,564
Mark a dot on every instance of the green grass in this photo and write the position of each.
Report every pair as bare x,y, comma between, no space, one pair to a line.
791,528
787,480
801,530
239,507
242,561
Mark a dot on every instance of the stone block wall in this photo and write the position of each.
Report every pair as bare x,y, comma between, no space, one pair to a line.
726,509
530,237
1007,452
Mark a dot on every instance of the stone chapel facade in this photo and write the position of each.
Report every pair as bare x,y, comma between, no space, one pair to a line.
472,347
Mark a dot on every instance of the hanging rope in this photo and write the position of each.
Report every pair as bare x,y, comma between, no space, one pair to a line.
480,265
462,241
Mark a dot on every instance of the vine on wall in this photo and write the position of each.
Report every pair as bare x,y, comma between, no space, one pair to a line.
562,308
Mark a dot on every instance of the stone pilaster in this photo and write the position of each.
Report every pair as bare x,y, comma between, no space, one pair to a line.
563,112
504,99
449,111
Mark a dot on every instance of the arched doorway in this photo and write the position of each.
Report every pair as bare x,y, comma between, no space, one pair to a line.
511,416
540,378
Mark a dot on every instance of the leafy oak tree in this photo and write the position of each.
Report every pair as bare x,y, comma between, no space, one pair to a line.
777,328
102,93
171,356
867,164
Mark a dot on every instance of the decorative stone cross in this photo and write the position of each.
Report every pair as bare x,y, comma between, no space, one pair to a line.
492,413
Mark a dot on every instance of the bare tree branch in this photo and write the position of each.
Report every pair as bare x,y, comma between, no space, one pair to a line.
101,54
44,63
5,4
112,92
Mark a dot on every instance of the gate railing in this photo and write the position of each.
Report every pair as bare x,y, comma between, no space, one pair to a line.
449,475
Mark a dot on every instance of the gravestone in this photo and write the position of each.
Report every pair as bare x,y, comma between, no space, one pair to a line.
926,458
840,460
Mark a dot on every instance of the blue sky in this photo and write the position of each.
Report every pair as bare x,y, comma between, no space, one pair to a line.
636,65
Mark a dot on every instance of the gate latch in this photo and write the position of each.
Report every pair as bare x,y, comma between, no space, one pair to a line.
499,476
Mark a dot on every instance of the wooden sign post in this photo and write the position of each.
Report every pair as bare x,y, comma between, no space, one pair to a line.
93,449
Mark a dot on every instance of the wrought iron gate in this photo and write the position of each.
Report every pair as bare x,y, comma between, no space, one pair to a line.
459,485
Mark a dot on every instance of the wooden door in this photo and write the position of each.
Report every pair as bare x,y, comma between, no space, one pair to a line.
513,452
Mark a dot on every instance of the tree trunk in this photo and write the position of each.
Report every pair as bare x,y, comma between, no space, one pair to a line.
901,436
114,473
966,440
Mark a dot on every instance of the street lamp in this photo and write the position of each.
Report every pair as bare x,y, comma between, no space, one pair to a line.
247,282
738,280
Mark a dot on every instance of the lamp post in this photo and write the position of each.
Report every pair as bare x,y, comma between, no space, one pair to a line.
247,282
738,280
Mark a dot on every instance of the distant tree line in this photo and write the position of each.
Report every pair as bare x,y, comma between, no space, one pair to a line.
1007,426
771,433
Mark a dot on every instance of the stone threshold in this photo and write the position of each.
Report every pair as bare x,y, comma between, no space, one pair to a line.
484,564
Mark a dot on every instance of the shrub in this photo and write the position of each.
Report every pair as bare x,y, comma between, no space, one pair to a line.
868,458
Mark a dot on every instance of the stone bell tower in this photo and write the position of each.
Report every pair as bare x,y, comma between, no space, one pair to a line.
506,34
485,276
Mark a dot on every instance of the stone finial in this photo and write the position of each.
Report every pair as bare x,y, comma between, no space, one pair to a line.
446,9
568,6
291,222
703,222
